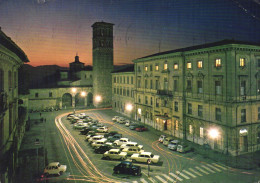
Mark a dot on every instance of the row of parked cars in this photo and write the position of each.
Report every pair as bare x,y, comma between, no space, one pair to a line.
130,124
174,144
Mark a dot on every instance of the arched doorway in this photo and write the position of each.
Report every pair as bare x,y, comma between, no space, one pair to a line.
66,100
79,100
90,99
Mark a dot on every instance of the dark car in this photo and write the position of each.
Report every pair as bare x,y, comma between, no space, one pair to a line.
112,133
127,167
133,126
102,149
141,128
114,137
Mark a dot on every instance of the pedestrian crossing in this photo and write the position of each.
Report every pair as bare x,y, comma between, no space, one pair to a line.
185,174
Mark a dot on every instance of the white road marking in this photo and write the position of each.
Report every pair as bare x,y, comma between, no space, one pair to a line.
162,180
219,166
194,176
175,176
185,176
195,172
143,180
214,167
151,179
135,182
202,170
168,178
208,169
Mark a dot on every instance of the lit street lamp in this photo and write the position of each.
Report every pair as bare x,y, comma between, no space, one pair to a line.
98,98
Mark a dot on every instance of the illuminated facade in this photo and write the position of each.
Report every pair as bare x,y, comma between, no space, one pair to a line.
206,94
12,122
123,85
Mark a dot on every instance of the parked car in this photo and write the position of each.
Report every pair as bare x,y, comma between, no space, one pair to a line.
133,126
54,168
183,148
145,157
121,141
127,123
115,154
161,138
131,144
79,126
95,138
90,135
103,148
127,167
121,120
103,129
115,118
132,150
167,140
98,143
173,145
114,137
141,128
110,134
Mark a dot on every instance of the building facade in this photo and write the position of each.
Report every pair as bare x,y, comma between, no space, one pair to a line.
206,94
11,124
123,86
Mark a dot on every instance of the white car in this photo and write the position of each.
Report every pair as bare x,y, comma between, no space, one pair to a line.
127,123
121,141
145,157
161,138
167,140
54,168
115,118
102,129
115,154
183,148
98,143
132,150
173,145
79,126
131,144
95,138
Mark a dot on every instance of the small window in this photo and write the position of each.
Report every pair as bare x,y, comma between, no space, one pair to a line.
243,88
139,69
200,89
146,100
188,65
199,64
151,84
132,80
157,67
165,66
218,114
146,68
50,94
243,115
146,83
176,108
218,88
201,132
175,66
151,67
258,113
36,95
127,79
200,111
189,86
189,108
190,129
218,62
151,100
157,102
175,85
242,62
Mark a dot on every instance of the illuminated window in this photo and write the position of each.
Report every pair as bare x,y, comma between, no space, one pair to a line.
146,68
157,67
201,132
188,65
242,62
176,66
165,66
176,125
199,64
190,129
218,62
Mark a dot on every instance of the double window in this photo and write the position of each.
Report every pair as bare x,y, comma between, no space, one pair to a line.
242,62
199,64
218,63
189,65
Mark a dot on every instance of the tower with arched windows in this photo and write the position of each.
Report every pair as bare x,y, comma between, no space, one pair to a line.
102,63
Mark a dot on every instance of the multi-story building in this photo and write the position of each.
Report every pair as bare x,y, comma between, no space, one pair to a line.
206,94
123,86
11,125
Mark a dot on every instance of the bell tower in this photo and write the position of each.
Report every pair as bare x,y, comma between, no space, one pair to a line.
103,58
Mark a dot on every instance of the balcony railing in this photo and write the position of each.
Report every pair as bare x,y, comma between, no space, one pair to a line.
164,92
3,101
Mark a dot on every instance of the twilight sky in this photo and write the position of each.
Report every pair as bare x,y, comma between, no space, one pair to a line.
53,31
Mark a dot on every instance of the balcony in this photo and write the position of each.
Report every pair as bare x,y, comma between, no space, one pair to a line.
3,101
164,93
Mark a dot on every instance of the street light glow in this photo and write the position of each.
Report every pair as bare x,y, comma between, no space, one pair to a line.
74,90
129,107
213,133
83,94
98,98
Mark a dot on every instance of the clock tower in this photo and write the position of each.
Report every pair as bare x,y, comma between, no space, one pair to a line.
103,58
